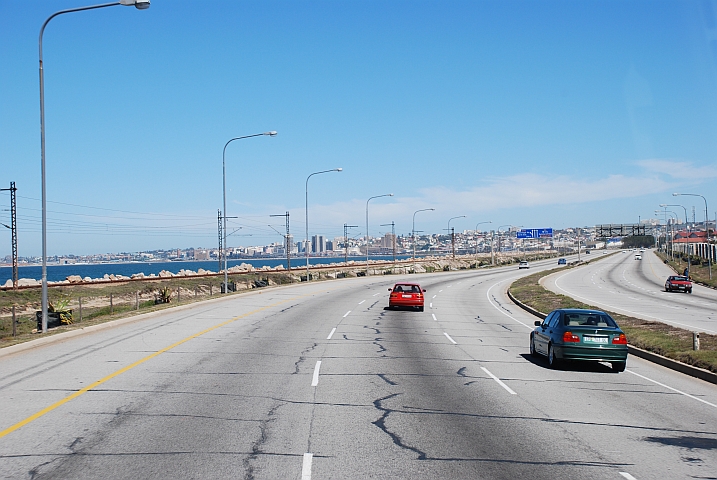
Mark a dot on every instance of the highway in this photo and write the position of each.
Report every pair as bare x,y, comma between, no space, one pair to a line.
321,381
632,287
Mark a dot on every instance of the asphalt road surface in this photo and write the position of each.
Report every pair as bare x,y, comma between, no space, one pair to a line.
321,381
621,284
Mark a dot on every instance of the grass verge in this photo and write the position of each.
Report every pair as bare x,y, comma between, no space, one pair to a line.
656,337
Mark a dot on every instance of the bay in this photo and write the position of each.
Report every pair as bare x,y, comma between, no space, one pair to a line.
98,270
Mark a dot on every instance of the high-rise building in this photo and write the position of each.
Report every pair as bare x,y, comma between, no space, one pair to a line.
318,244
388,241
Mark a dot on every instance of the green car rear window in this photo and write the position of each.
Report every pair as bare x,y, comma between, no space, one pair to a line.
588,320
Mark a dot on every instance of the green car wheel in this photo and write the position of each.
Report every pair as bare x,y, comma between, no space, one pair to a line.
552,359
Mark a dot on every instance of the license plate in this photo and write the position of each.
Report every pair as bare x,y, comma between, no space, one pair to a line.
594,339
406,296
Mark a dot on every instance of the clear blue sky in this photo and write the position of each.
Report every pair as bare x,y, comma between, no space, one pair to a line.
540,114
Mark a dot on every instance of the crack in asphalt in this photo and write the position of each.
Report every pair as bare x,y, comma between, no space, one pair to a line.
382,348
383,377
259,442
500,304
302,357
381,424
376,330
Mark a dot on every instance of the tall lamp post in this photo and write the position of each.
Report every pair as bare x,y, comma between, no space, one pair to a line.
306,240
683,208
476,232
453,235
140,5
499,238
707,228
224,198
413,233
367,235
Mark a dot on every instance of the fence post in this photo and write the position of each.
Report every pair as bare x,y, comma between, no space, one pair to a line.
196,292
695,340
178,297
80,309
14,322
210,289
112,307
136,300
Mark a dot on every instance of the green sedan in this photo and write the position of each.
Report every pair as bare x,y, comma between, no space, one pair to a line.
575,334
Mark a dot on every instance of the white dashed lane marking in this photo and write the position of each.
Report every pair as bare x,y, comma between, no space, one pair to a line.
347,314
449,338
306,467
434,316
500,382
315,379
361,302
333,330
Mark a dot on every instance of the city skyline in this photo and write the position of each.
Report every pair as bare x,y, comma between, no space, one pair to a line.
513,112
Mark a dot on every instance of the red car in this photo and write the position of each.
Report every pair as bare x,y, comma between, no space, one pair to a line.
679,283
406,295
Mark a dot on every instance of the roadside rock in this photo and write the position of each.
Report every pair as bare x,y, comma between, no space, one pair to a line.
74,278
165,274
138,275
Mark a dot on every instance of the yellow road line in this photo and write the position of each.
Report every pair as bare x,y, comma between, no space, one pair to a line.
129,367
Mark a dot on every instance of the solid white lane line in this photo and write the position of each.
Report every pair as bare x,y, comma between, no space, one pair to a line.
347,314
627,475
306,467
361,302
315,380
333,330
499,381
434,316
673,389
487,294
449,338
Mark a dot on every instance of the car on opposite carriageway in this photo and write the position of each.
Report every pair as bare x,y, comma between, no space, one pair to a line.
678,283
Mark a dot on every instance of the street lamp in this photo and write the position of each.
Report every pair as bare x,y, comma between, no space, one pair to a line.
707,229
499,237
476,233
140,5
224,197
306,240
413,233
367,235
453,236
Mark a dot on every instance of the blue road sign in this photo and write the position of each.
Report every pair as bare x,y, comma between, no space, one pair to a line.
535,233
